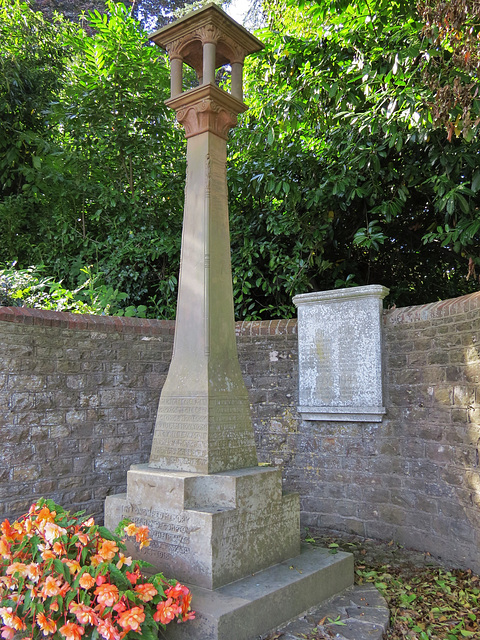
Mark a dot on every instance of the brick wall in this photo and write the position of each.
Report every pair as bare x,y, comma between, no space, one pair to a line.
78,398
414,477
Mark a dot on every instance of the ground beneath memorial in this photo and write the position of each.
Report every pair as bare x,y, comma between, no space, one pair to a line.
427,599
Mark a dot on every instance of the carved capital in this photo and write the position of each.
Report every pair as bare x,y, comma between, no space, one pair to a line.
175,48
208,33
238,53
206,108
206,115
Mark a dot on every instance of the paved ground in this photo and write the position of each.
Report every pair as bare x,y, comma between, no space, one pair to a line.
359,613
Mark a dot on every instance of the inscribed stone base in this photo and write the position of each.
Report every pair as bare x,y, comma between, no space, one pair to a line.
205,434
259,603
210,530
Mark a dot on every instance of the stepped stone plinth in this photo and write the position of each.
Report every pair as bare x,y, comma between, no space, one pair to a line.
218,521
210,530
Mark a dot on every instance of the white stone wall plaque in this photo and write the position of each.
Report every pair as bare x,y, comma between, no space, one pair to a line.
340,354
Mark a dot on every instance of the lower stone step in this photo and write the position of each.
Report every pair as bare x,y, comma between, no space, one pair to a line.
247,608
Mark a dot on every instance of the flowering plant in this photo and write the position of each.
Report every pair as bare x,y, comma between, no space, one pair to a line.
64,577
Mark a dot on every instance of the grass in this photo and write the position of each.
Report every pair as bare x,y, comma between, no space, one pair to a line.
426,598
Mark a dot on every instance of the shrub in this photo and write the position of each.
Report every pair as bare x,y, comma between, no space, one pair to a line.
64,577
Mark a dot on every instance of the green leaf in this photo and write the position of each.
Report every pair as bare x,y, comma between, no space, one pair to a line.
476,181
118,578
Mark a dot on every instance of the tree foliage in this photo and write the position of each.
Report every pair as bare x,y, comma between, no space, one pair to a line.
344,162
91,164
354,165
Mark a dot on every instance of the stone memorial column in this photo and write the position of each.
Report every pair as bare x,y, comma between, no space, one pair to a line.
217,520
203,421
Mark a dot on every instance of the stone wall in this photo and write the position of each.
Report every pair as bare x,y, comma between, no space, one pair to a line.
414,477
78,398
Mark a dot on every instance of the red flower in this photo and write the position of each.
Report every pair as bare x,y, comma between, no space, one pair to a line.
166,611
177,591
72,631
133,576
107,594
145,592
131,619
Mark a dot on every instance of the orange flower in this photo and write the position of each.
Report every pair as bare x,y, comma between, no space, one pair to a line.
96,560
28,524
46,515
176,591
51,587
107,550
5,548
47,625
86,581
123,560
7,529
142,537
18,624
84,614
83,538
34,572
107,594
64,590
107,630
72,631
17,567
73,565
131,529
145,592
52,531
185,606
58,548
131,619
188,616
47,554
166,611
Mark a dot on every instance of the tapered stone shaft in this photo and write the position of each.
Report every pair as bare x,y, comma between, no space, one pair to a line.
203,422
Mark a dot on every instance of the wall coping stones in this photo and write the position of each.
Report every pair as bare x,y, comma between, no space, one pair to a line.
84,322
111,324
440,309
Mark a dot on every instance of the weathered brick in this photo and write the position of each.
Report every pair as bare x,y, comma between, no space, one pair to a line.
96,389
